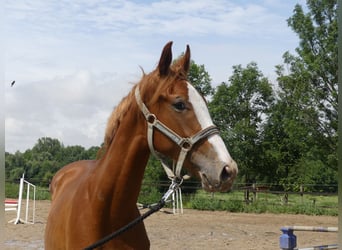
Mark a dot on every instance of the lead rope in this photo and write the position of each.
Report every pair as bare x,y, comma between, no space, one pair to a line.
153,208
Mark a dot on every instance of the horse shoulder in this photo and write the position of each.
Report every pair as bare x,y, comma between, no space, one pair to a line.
70,174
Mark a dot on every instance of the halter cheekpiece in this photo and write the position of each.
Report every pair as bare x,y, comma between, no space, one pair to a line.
185,143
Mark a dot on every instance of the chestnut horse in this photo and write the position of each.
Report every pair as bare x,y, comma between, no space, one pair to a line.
163,114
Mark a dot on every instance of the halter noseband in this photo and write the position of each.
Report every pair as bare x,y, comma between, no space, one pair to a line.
185,143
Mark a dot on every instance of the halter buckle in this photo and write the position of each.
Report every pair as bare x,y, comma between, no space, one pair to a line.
186,144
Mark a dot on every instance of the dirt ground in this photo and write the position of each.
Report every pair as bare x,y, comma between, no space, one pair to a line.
193,230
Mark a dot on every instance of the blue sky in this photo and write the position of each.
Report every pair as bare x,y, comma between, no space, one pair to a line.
73,61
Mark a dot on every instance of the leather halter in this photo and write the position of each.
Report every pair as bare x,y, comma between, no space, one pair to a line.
185,143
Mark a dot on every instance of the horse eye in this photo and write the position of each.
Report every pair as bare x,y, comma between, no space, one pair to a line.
179,106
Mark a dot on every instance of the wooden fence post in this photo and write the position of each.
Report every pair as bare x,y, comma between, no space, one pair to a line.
254,192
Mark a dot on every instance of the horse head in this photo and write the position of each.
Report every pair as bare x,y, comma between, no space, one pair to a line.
180,126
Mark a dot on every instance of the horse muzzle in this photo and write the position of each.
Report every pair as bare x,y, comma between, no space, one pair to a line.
220,182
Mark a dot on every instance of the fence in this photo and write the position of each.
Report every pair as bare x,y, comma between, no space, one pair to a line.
16,205
11,205
262,198
288,241
255,189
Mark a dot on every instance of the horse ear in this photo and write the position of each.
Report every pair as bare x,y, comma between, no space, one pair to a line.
186,59
165,60
183,63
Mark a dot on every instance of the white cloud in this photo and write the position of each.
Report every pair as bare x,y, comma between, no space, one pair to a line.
73,109
128,18
74,60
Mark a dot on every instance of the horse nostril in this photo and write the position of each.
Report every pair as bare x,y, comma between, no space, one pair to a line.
225,174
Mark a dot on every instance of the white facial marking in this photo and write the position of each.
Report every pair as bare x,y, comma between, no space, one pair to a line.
203,117
220,148
200,107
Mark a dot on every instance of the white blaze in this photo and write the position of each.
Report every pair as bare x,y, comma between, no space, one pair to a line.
203,117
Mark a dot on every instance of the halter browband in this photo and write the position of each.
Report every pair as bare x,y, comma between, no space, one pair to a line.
185,143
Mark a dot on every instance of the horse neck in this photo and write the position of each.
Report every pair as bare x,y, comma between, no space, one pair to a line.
120,172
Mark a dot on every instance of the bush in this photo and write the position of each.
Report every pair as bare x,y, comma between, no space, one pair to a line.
270,203
11,190
206,203
42,194
150,197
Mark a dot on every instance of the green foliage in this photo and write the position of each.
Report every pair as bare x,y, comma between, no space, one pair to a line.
266,203
239,108
200,78
152,187
40,163
11,190
150,196
205,203
42,194
300,139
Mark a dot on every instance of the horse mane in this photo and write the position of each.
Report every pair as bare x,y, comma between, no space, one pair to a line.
114,121
149,84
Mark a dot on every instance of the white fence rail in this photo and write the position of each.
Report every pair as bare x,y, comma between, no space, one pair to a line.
17,205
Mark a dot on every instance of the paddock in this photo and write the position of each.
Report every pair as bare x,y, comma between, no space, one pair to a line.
193,230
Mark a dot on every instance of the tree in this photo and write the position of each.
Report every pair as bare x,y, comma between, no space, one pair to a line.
42,161
14,166
91,153
47,144
72,153
305,114
239,109
317,56
317,60
200,78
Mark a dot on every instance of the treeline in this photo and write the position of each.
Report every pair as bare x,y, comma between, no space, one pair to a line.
286,133
282,133
40,163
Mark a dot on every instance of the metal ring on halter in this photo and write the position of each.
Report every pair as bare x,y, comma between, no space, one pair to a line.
186,144
151,119
172,188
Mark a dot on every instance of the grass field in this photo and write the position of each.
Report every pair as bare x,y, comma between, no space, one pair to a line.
261,203
265,202
233,201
